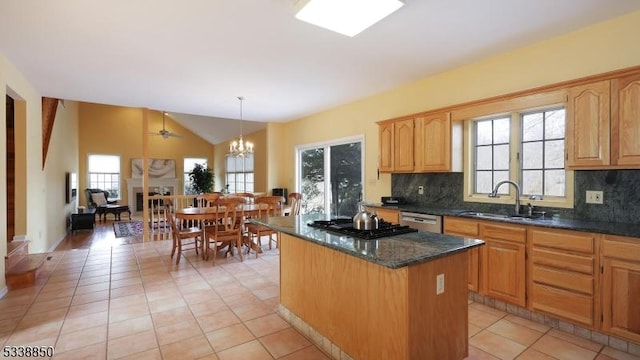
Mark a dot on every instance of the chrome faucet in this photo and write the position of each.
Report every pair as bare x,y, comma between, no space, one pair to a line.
494,193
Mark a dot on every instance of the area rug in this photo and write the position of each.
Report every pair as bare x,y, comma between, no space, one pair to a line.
127,228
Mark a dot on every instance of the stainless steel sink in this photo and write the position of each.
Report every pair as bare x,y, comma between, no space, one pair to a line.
485,215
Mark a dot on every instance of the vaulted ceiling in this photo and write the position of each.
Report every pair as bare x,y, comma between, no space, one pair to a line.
196,56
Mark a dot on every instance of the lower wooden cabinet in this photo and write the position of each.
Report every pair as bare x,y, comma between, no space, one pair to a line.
621,287
562,272
467,228
387,214
504,262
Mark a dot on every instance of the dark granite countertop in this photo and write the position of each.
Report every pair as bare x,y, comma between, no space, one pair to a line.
622,229
393,252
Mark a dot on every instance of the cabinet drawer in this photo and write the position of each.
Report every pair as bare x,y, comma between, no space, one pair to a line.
620,247
562,261
563,303
563,240
562,279
455,226
503,232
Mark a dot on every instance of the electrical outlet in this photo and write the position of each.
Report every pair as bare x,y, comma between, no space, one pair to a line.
421,190
439,284
594,197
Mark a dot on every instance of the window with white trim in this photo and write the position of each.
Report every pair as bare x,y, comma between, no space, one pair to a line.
526,147
239,174
104,173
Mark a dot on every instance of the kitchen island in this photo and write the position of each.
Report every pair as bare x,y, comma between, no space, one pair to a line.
374,299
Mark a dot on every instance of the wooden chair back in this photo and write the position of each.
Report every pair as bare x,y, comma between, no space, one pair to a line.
230,213
295,201
274,205
249,197
207,200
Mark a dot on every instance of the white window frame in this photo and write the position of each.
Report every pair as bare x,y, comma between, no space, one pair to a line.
102,185
247,170
327,155
515,171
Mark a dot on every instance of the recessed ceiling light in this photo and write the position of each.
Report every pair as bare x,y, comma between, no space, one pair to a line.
347,17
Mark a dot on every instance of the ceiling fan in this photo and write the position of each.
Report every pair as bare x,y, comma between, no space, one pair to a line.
164,132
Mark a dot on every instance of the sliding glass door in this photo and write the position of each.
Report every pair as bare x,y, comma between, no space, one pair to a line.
330,177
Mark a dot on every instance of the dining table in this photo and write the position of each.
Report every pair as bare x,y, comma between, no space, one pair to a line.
211,214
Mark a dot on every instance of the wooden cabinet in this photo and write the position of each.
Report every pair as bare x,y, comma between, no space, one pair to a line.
396,146
424,143
603,124
437,143
385,139
467,228
621,287
84,220
387,214
562,271
588,125
625,121
503,262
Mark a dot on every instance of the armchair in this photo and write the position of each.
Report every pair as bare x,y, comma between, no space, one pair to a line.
96,202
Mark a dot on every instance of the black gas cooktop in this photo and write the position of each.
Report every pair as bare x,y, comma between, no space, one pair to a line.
344,226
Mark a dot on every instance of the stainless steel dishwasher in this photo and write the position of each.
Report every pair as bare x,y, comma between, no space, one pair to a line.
422,222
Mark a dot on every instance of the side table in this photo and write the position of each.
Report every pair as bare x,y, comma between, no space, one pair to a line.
84,220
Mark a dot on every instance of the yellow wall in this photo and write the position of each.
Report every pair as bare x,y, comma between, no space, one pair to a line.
260,146
607,46
41,209
117,130
62,157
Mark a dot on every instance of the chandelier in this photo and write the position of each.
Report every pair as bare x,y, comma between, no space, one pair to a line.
240,147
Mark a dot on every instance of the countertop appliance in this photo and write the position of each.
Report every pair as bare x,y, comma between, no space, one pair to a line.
392,200
344,226
422,222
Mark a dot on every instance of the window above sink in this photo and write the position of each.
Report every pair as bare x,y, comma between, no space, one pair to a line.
523,140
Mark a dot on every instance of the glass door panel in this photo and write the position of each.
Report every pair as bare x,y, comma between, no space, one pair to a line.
313,184
346,178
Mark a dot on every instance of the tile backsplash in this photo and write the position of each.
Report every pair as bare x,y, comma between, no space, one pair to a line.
621,193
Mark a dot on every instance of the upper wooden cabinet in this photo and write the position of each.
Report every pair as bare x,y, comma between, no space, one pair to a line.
396,146
403,146
625,120
437,143
385,133
603,124
588,124
426,143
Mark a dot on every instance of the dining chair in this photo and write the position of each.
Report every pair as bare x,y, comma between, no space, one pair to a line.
273,206
228,230
249,197
206,200
295,201
179,234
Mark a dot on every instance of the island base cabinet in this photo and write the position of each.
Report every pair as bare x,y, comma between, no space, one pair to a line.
374,312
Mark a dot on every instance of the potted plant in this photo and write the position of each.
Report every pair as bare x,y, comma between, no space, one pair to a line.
201,178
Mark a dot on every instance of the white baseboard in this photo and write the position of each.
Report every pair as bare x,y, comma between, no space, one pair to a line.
54,246
4,291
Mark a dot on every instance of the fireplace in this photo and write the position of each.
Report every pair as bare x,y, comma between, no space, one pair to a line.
152,203
166,186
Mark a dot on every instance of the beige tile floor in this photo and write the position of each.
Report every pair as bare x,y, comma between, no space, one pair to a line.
131,301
